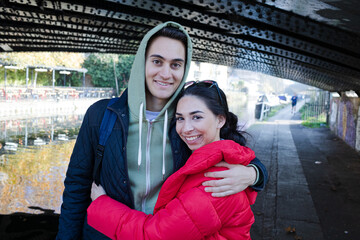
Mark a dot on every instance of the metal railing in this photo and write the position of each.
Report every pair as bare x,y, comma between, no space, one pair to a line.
261,110
18,93
316,107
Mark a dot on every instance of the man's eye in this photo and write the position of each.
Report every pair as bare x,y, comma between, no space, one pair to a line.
176,65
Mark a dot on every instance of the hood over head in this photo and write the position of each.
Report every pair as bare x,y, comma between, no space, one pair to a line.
137,86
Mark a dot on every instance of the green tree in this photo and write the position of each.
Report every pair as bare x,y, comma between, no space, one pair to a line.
101,69
123,69
75,78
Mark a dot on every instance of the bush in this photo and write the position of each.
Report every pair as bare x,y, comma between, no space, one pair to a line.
312,118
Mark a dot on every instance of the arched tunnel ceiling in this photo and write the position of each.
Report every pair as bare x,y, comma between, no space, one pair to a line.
315,42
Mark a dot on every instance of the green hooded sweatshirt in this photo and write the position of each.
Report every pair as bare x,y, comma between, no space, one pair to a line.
149,155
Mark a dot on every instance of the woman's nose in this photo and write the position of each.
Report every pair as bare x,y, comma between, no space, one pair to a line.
188,127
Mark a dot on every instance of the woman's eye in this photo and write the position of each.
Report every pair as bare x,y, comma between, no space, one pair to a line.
179,118
197,117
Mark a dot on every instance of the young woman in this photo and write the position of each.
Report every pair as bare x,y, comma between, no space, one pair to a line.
183,209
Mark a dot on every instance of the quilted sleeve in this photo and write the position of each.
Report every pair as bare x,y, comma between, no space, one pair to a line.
191,216
78,180
76,196
263,178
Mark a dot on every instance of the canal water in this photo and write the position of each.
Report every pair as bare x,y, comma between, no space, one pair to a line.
33,160
34,154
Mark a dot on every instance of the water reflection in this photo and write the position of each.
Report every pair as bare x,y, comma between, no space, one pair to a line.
34,154
38,131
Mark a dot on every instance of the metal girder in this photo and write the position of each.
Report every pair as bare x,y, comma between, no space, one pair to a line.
268,36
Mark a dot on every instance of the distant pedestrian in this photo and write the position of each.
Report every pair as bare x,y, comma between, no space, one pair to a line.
293,103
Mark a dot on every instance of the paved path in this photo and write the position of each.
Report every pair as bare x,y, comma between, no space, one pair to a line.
305,192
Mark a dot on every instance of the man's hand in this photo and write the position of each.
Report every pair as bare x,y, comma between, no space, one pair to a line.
96,191
231,181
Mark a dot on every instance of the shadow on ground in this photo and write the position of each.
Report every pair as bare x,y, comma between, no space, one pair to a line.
26,226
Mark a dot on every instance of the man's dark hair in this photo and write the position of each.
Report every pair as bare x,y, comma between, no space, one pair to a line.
170,32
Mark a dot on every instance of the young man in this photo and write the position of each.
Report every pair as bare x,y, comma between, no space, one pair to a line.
143,148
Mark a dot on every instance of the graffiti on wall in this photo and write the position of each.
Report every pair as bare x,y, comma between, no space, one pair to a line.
346,124
357,144
334,105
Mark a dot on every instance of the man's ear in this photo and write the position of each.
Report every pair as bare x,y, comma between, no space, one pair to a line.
221,121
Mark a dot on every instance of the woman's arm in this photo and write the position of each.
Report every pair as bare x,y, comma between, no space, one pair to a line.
236,179
191,216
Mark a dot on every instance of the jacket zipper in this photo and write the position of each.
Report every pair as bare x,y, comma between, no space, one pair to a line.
147,169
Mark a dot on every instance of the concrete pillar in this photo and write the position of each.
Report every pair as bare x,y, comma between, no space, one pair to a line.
357,142
5,83
53,78
27,76
83,79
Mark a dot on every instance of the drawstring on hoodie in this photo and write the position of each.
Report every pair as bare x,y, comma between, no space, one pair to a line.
140,130
164,142
164,139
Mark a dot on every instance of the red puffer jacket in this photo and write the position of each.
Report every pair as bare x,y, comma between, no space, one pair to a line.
183,209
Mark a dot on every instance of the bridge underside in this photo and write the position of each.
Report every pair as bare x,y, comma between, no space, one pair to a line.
315,42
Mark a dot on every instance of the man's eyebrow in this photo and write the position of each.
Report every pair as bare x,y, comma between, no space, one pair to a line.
179,60
157,55
175,59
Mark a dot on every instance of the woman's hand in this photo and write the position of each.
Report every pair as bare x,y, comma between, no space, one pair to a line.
96,191
231,181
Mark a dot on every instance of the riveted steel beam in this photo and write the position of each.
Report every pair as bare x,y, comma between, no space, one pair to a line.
254,35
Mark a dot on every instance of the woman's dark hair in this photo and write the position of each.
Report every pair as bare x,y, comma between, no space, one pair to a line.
170,32
219,106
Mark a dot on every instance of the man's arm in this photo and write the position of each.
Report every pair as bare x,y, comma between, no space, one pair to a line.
76,196
263,177
237,178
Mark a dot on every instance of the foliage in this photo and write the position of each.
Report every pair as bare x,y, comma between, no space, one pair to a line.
312,118
237,85
101,69
76,79
18,77
49,59
40,59
313,123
